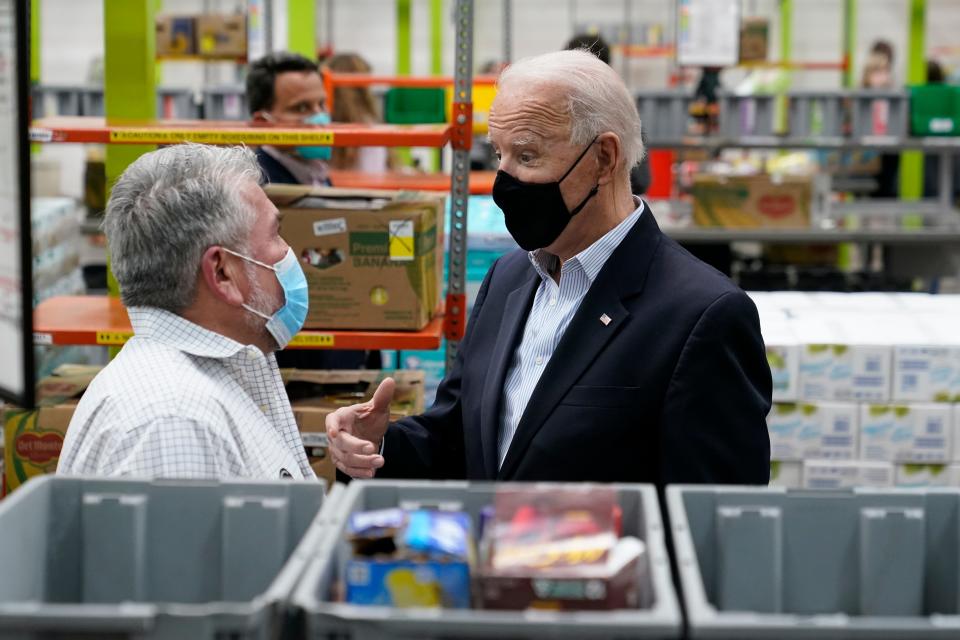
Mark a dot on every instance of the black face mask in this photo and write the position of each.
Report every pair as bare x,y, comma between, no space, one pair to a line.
534,211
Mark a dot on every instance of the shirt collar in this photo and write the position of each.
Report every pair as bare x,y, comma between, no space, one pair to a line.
310,172
591,259
178,332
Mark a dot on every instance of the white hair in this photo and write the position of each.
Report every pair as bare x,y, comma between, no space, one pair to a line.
166,209
598,100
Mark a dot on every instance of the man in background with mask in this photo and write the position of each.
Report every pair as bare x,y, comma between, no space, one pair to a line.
286,89
212,291
602,351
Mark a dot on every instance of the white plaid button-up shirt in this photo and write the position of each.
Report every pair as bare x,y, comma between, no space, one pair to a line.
180,401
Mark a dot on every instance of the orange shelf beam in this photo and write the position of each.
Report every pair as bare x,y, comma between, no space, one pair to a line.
367,80
481,182
646,51
101,320
96,130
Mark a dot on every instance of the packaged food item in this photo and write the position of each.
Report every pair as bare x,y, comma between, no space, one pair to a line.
410,558
559,550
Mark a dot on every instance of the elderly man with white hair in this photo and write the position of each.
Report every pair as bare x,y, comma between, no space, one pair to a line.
212,291
602,351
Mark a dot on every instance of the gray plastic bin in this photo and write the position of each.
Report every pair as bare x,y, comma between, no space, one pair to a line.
744,116
323,618
816,114
176,104
153,560
777,563
663,114
54,100
879,113
92,102
225,103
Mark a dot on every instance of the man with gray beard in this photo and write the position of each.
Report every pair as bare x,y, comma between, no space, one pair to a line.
212,291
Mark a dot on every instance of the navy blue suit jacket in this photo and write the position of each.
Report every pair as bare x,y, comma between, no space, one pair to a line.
273,171
676,388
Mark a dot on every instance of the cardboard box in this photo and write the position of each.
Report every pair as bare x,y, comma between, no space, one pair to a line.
754,39
752,201
314,394
919,433
955,430
927,475
176,35
606,586
840,363
222,35
786,474
33,438
407,583
826,430
372,258
322,465
846,474
783,356
926,373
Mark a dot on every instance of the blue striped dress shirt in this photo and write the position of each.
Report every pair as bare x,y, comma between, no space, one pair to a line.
553,308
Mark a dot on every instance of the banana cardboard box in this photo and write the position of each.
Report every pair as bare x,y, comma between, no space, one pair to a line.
33,438
758,201
373,259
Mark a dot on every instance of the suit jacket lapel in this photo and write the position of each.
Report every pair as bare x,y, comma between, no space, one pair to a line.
623,275
515,314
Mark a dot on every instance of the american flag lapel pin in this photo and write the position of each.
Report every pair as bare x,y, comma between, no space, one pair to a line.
605,319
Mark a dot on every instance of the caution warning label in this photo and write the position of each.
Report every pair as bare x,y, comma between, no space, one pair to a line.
251,137
316,340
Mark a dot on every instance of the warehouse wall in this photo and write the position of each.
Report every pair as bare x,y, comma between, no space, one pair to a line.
72,39
72,32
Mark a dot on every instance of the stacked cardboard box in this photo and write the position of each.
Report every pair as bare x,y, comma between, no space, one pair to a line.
316,394
372,258
33,438
212,35
865,388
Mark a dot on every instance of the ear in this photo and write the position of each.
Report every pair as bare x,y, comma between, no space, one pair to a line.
223,276
259,116
608,157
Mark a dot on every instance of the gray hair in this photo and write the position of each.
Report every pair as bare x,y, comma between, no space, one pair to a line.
166,209
598,100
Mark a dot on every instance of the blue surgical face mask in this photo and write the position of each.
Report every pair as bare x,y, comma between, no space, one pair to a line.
287,321
312,152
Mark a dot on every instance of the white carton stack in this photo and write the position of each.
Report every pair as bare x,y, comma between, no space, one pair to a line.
800,431
866,388
844,474
917,433
783,356
55,229
788,475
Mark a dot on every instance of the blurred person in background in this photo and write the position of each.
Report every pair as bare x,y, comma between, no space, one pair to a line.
286,89
878,74
356,104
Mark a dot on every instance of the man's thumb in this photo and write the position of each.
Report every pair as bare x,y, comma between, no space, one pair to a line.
383,396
